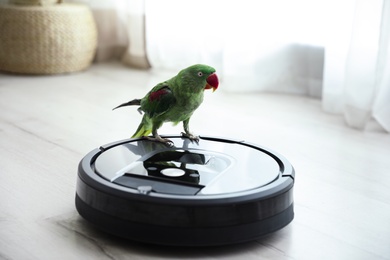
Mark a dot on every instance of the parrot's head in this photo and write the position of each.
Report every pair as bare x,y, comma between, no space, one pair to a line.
201,75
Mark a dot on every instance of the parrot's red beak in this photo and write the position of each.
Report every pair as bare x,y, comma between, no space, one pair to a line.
212,82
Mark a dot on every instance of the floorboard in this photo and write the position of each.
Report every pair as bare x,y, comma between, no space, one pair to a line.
48,123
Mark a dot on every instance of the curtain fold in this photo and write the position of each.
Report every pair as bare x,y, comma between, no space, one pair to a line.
355,70
121,31
356,80
135,55
381,107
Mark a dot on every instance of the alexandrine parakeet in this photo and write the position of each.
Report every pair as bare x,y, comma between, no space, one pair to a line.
174,100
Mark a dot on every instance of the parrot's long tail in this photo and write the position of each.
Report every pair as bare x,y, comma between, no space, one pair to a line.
134,102
144,128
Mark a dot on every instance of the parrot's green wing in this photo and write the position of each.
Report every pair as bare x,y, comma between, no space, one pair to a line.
158,100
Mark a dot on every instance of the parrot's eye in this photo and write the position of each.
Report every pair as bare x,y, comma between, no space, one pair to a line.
200,74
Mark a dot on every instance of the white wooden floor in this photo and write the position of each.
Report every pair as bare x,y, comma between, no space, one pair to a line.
47,124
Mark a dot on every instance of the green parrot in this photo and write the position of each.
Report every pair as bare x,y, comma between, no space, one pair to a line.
174,100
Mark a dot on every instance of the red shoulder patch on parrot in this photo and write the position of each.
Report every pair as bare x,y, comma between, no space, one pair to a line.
158,94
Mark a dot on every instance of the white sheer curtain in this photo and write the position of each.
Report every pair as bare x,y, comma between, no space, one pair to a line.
357,66
335,50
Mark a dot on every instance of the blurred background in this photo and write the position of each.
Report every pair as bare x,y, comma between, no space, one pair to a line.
337,51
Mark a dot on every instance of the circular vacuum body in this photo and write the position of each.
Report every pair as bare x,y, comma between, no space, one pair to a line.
215,192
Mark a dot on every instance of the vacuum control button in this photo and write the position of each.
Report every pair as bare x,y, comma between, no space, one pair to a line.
173,172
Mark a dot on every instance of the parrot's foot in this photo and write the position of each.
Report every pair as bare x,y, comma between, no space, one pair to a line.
158,138
191,137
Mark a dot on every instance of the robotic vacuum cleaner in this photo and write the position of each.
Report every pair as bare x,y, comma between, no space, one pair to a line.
214,192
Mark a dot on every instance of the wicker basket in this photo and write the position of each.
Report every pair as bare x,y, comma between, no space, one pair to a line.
46,39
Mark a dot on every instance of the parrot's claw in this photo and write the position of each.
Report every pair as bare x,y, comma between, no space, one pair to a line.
191,137
160,140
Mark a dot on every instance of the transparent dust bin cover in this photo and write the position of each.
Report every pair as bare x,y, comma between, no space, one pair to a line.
211,167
